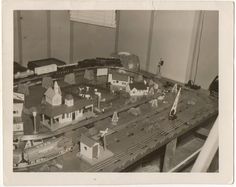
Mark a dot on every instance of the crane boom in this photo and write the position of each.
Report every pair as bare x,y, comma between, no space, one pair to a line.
172,114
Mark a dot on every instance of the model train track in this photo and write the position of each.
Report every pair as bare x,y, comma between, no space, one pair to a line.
36,78
81,123
142,139
140,149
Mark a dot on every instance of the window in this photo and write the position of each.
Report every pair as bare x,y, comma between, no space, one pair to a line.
106,18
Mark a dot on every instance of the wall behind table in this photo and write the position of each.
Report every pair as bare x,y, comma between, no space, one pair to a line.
173,38
51,34
208,54
16,37
47,34
34,35
90,41
60,35
134,33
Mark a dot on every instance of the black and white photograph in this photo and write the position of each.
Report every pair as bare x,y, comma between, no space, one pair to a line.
117,90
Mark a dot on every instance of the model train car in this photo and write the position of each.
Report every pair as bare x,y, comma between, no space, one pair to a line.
42,152
99,62
45,66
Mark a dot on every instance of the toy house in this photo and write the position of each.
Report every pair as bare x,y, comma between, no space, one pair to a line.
118,79
53,95
137,89
89,148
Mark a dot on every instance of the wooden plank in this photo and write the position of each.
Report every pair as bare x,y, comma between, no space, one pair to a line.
169,155
185,162
203,132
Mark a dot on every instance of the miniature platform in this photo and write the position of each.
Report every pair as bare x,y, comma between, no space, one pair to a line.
104,154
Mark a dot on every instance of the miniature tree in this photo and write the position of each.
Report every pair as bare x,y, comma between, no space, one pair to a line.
70,78
47,82
115,118
23,88
89,75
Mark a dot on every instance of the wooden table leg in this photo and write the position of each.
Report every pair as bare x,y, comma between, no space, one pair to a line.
169,155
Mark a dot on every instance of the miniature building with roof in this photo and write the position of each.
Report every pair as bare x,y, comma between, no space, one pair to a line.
53,95
89,148
137,89
18,105
118,79
71,111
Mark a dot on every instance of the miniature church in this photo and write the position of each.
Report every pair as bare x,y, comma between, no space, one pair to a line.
53,95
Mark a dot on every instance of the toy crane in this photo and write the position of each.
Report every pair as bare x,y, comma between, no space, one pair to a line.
172,114
103,135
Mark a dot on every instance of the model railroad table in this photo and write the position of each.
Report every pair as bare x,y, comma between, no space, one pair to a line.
131,138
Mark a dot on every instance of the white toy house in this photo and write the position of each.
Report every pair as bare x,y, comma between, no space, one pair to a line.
137,89
53,95
89,148
118,79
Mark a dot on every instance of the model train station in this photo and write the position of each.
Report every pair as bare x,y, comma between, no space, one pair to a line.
57,114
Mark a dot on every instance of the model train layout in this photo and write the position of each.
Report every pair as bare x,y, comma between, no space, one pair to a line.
99,116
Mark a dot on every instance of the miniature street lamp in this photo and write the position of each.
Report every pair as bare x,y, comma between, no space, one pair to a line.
160,63
34,112
99,100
